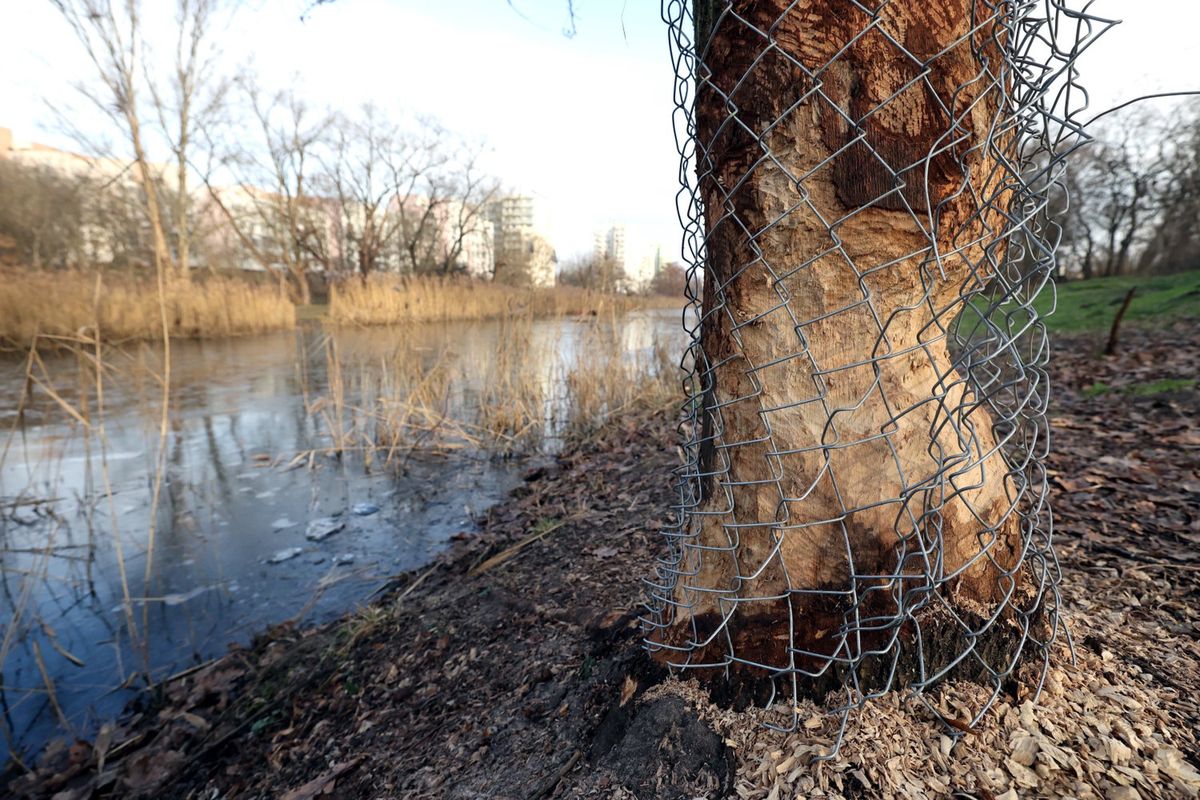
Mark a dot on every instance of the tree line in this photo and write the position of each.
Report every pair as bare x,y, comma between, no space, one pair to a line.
199,165
1133,196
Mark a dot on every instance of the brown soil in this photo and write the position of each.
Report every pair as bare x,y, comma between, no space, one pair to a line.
525,680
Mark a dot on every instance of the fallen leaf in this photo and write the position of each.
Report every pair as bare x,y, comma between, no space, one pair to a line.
318,786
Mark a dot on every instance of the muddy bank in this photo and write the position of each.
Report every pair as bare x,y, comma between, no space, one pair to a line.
511,667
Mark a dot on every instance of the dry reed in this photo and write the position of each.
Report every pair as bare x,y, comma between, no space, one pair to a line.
612,385
388,404
388,299
514,411
531,392
122,307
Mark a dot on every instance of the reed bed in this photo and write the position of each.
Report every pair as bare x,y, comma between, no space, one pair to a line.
389,404
384,397
73,390
45,305
612,386
388,299
533,393
515,412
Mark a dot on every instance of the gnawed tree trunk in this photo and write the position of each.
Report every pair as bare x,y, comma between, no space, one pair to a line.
850,482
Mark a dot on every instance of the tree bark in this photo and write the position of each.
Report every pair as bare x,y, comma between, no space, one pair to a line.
839,446
183,211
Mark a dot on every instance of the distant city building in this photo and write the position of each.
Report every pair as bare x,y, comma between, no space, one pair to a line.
610,244
477,250
512,213
523,257
641,271
638,263
101,243
71,164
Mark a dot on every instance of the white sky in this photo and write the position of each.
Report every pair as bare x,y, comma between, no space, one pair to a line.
581,123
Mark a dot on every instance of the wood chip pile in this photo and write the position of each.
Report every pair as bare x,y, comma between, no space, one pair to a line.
1100,731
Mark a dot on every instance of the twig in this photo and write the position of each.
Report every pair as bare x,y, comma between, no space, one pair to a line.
185,672
549,788
507,553
50,692
409,590
1111,348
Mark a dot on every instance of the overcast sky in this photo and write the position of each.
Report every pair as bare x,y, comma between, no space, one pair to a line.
581,123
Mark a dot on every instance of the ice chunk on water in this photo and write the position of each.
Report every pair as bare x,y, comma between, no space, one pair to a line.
318,529
179,599
285,554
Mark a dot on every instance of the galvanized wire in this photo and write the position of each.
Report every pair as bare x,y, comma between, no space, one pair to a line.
995,338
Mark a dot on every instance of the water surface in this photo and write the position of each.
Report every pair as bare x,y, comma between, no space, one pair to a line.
247,469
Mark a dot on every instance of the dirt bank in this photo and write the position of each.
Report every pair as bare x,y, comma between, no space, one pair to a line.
515,673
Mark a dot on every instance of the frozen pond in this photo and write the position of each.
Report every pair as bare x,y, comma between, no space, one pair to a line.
257,521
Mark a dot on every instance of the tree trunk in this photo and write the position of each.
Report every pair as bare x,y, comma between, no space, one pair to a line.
183,215
843,460
301,295
162,257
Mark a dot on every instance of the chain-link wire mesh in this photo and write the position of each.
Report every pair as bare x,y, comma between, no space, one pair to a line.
867,191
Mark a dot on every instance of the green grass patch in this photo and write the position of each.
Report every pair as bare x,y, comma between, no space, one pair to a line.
544,525
1160,386
1092,304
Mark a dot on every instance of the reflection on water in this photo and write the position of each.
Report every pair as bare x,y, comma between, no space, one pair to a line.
230,555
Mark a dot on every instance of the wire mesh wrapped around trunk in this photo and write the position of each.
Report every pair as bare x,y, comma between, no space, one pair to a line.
866,197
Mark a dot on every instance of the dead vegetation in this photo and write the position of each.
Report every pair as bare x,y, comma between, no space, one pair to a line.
119,306
1100,730
533,392
387,300
124,306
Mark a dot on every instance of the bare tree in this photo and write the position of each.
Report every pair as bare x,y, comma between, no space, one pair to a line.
111,33
367,158
670,281
273,212
470,188
441,196
1116,193
807,431
1175,236
193,99
1078,243
421,193
43,212
601,273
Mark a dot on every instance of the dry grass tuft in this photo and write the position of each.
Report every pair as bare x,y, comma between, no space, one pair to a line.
514,411
122,307
387,299
387,403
